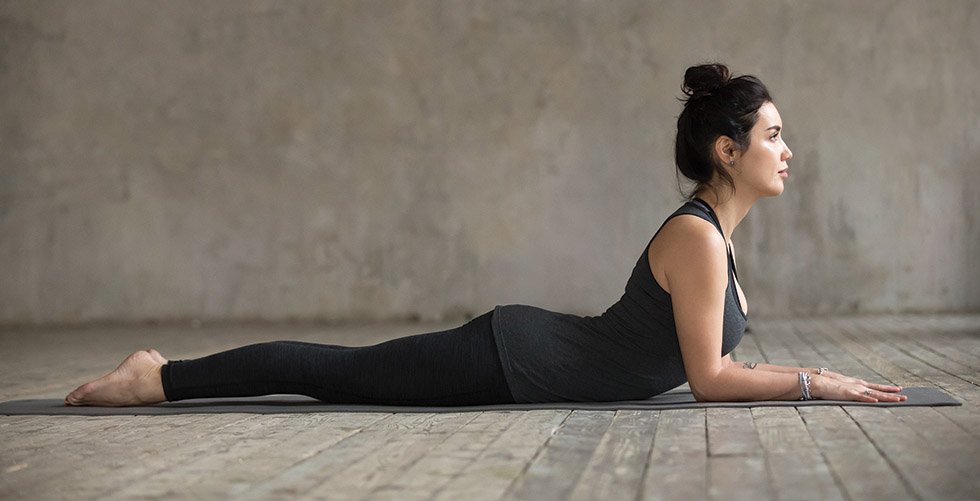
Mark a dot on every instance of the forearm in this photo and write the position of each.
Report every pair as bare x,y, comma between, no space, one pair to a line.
773,368
734,383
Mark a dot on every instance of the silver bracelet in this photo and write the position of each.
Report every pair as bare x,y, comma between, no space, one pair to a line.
821,370
805,385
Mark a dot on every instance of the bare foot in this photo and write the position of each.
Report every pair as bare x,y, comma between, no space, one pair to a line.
157,356
136,381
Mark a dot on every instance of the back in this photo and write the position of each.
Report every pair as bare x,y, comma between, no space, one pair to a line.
629,352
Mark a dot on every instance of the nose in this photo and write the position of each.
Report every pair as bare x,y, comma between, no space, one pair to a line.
787,153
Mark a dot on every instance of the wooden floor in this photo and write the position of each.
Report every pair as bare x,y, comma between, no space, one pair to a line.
819,453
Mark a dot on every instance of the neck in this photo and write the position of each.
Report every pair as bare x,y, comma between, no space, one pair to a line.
730,208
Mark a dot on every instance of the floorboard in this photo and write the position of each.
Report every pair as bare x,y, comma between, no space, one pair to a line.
678,463
616,468
760,453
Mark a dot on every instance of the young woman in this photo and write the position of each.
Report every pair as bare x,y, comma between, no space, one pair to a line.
681,315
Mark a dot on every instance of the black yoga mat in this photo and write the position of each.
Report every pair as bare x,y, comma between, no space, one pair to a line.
286,404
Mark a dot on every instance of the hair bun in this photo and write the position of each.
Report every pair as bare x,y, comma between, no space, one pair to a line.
705,78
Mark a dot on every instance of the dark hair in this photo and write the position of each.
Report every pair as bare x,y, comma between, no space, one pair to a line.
715,104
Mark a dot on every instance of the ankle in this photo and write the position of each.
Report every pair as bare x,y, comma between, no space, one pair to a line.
151,386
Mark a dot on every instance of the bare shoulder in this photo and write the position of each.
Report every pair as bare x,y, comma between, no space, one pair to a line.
686,244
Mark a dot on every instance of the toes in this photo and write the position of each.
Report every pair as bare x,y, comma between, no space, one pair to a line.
71,399
77,397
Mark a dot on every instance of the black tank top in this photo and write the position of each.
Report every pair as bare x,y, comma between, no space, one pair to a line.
629,352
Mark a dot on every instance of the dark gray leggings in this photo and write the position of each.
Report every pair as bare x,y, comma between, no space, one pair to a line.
454,367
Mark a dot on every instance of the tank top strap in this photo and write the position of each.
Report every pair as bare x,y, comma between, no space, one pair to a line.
714,219
701,204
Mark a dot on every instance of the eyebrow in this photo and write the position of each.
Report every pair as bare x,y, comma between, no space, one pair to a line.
778,128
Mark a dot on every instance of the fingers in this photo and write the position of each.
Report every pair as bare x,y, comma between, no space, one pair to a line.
860,382
884,387
862,391
872,395
863,395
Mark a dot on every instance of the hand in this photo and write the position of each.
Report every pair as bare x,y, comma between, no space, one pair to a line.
840,377
833,386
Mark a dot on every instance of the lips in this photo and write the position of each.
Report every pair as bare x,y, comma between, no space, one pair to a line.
784,173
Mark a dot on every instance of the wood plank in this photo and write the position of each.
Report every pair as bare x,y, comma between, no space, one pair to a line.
933,473
736,466
887,370
355,452
862,472
68,435
262,447
731,431
882,349
502,463
940,431
793,461
967,416
678,464
905,342
448,459
818,335
738,477
553,474
771,338
924,435
39,432
937,361
375,468
615,470
809,336
948,346
955,337
129,450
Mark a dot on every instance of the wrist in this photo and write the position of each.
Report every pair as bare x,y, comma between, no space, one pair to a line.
805,385
817,385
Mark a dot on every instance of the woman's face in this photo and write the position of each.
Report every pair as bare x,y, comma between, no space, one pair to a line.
762,168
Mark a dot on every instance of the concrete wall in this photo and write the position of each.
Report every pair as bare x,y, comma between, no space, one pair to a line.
375,160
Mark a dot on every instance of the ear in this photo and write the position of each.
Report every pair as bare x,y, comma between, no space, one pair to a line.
725,149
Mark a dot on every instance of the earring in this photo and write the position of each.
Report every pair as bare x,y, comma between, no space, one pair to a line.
732,162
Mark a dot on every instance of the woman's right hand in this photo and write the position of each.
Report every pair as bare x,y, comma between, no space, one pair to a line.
847,388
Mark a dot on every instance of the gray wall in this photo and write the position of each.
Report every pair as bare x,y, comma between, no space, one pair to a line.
376,160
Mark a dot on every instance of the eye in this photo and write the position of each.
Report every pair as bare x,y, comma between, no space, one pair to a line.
774,136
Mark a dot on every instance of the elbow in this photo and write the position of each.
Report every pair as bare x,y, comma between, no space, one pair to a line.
700,395
703,396
712,383
709,388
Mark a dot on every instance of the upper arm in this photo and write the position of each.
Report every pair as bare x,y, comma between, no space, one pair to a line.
695,263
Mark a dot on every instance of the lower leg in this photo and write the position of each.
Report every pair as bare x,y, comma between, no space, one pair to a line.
455,367
136,381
